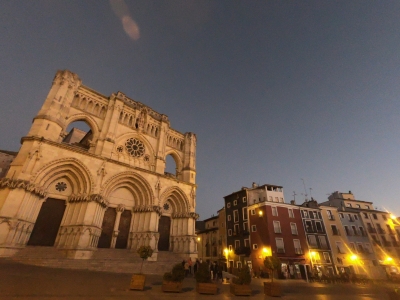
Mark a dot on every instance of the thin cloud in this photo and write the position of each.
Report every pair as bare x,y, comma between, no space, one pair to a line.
121,11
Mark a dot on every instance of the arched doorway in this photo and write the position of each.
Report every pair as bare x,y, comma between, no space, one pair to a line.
164,227
123,230
48,222
107,228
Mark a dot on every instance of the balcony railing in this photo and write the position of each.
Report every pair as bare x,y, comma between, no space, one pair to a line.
387,244
298,251
280,250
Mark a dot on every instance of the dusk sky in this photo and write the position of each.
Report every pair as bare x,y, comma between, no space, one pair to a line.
276,91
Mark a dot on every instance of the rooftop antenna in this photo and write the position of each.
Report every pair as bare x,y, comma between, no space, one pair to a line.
305,190
310,192
294,195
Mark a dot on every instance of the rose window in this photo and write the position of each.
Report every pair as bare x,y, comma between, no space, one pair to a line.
134,147
61,186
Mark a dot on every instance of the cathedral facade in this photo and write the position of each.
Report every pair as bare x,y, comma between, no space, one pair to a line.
104,188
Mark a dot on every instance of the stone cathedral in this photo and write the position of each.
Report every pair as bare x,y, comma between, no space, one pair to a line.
104,188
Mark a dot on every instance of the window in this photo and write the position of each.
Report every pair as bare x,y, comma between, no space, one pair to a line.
323,242
244,199
309,227
245,226
330,215
384,217
362,231
348,204
312,240
228,205
305,213
367,206
358,205
341,215
335,231
244,213
353,247
270,198
234,202
229,217
274,211
237,244
276,199
350,218
318,225
375,216
367,248
281,200
365,215
277,227
253,212
290,212
327,258
355,217
355,232
236,229
230,247
235,216
247,243
253,228
360,248
293,228
239,265
229,232
280,247
297,247
346,228
255,246
340,248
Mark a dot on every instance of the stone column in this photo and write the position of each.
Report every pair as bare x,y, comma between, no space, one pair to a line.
120,209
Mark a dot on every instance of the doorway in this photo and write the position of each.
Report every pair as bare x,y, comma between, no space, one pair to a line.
164,227
123,228
107,228
48,222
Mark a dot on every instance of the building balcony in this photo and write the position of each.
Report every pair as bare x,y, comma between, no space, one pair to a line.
243,251
298,251
387,244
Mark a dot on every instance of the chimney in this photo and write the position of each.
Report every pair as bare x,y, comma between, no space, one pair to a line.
254,185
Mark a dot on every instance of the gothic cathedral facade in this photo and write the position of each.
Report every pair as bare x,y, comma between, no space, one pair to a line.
104,188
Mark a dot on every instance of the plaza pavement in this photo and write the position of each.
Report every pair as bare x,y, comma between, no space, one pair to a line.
19,281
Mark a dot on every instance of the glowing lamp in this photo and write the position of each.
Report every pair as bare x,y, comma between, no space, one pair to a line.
353,257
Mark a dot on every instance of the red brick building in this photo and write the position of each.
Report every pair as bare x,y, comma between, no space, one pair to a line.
277,229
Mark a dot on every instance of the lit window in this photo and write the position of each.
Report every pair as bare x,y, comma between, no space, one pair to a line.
229,217
280,247
234,202
253,212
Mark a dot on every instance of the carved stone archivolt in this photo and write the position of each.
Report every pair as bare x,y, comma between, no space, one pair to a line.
89,198
22,184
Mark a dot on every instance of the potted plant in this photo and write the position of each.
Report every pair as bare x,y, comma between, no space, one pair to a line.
138,280
272,288
240,286
204,285
172,281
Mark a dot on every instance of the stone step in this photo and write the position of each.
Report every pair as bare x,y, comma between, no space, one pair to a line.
107,260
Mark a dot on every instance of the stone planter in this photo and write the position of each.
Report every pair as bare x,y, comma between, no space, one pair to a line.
172,286
137,282
240,289
206,288
272,289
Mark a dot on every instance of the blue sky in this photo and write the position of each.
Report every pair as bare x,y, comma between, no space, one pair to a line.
276,91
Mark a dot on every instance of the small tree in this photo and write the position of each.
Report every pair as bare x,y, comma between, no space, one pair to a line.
144,252
244,276
272,263
203,274
177,274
